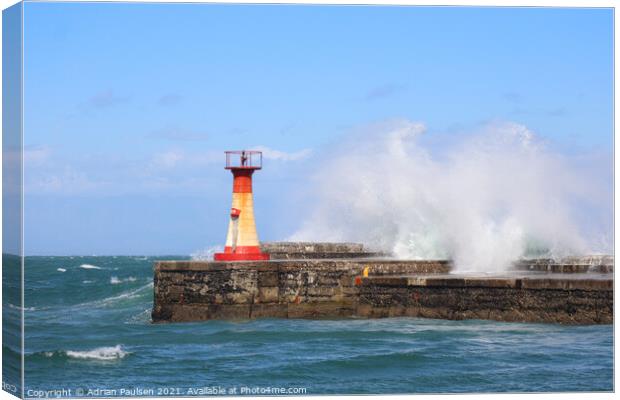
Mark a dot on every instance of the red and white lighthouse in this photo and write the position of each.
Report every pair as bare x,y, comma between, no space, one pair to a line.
242,239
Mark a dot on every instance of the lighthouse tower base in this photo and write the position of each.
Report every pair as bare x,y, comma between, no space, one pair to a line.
242,240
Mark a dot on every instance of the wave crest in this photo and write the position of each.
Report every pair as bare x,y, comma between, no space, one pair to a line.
111,353
89,266
114,280
100,353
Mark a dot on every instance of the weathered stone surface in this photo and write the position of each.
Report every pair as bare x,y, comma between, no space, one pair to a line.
192,284
311,247
268,278
267,294
503,304
583,264
317,250
355,266
322,309
196,290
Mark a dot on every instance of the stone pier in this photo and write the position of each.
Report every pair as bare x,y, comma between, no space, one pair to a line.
561,298
572,291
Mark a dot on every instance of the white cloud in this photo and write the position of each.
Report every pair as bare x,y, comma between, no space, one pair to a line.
271,154
48,172
168,159
174,158
67,181
31,155
174,168
36,154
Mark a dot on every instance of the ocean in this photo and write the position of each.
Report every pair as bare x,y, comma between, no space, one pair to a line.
88,332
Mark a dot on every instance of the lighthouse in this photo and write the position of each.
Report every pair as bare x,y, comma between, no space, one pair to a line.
242,240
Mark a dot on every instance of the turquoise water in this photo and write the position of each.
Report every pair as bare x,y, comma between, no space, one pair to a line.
88,327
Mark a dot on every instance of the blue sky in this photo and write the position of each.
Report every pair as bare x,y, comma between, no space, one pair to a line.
129,107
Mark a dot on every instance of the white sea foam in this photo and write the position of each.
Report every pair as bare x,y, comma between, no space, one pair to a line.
100,353
483,199
115,280
61,270
13,306
89,266
105,302
131,294
141,318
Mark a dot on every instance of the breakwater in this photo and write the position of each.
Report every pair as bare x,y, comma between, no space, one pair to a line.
576,291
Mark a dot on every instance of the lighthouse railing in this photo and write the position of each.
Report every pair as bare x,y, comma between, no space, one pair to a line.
251,159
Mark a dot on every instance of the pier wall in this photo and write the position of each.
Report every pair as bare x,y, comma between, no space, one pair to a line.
569,300
196,290
337,288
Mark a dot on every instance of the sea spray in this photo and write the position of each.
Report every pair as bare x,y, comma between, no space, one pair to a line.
206,254
483,200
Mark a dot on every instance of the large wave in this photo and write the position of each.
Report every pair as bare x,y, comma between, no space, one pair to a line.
483,199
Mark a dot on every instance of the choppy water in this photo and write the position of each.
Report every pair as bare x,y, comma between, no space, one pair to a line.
88,327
